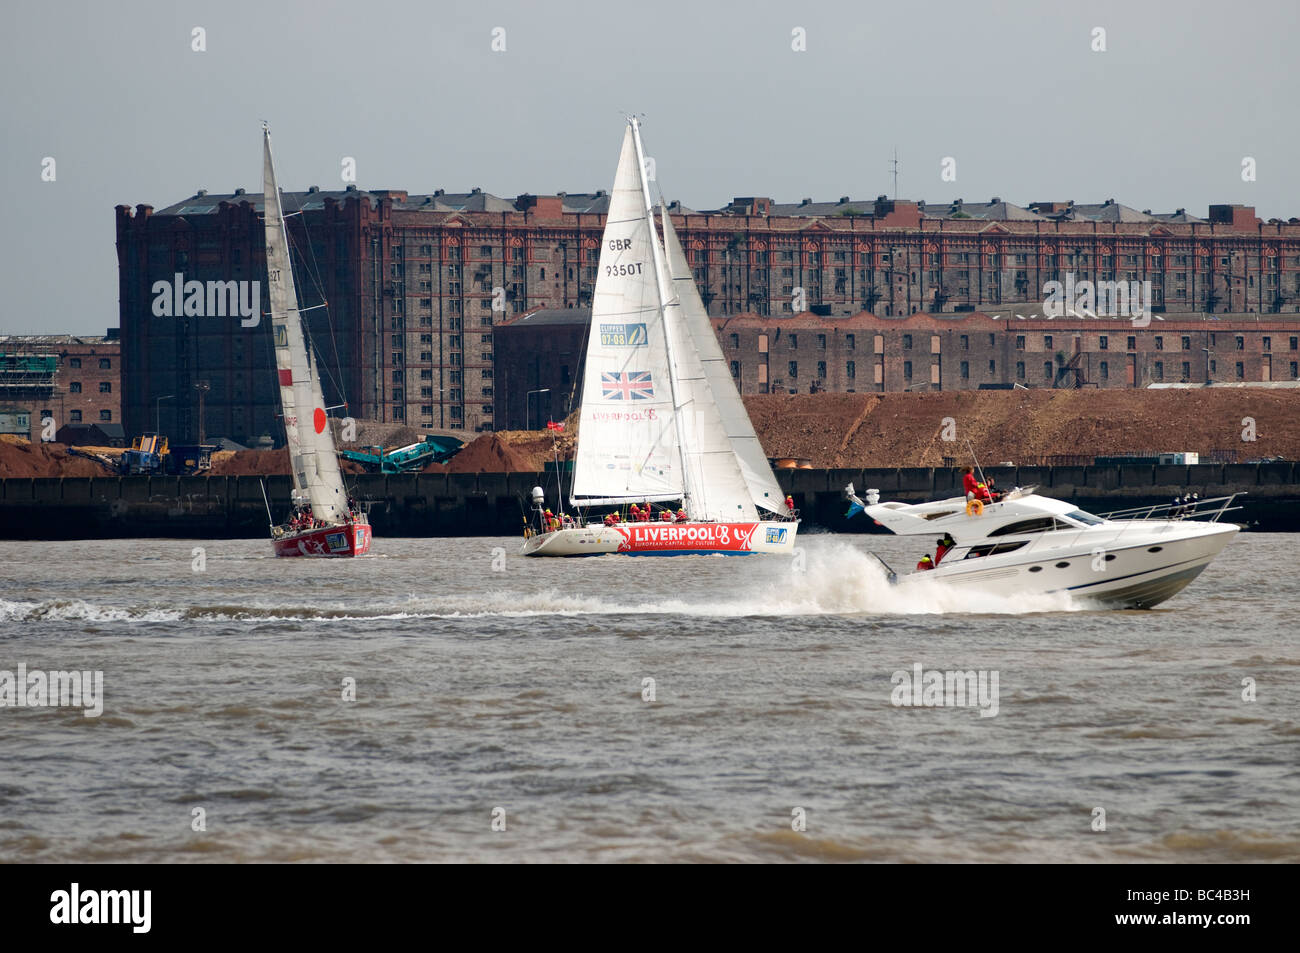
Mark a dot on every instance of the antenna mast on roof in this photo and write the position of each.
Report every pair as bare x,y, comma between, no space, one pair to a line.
895,167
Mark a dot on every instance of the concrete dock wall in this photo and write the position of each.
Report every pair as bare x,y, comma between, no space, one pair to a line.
466,504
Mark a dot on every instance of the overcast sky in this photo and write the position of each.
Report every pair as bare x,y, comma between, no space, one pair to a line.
415,93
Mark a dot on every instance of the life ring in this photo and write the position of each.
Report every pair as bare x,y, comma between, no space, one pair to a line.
974,507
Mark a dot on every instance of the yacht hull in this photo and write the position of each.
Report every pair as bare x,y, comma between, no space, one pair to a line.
346,539
1140,566
667,539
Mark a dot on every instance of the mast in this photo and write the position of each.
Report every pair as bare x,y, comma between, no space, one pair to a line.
665,301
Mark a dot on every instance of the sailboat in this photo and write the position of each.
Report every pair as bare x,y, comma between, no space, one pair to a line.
323,519
661,421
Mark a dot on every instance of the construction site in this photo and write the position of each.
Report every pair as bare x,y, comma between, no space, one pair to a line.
835,431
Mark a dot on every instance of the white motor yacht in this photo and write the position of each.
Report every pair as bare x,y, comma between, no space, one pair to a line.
1026,543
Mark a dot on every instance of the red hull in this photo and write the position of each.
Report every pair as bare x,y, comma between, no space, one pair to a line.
347,539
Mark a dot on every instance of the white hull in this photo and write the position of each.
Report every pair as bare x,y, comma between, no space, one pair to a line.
667,539
1134,565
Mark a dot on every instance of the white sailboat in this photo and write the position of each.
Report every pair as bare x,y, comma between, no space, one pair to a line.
661,420
323,520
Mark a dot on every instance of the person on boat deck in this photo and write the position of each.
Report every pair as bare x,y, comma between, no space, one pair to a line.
789,503
941,547
681,516
925,563
634,513
995,496
547,519
968,483
666,516
643,514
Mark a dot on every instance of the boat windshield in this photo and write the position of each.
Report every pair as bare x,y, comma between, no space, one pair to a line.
1087,519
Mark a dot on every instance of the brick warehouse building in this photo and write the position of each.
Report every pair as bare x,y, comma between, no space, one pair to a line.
71,378
417,283
867,353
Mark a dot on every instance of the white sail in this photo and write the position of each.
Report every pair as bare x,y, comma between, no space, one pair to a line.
627,442
312,456
760,483
716,488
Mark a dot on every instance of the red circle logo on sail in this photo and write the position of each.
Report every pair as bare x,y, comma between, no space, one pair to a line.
318,419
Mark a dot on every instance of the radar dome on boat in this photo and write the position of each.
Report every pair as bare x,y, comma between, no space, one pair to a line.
538,496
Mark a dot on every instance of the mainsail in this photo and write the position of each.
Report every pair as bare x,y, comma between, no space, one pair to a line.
628,441
747,452
313,459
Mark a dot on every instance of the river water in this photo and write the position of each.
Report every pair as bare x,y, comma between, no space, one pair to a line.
493,691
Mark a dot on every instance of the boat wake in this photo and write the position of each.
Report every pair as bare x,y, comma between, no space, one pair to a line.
835,579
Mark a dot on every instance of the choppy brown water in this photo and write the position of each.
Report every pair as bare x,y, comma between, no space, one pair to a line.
522,689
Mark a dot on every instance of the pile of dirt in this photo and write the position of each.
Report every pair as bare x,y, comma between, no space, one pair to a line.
490,453
21,458
251,462
908,430
262,463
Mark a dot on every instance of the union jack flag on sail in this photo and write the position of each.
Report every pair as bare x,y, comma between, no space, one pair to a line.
629,385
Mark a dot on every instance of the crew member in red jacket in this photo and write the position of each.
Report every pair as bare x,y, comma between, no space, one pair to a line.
925,563
941,547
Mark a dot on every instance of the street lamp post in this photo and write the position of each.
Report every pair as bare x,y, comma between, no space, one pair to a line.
202,387
528,405
157,412
1207,365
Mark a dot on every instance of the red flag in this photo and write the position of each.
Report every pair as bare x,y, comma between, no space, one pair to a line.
552,425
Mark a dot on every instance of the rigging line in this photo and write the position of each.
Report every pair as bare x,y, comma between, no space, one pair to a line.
312,273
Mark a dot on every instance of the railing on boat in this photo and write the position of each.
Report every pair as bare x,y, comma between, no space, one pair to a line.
1177,511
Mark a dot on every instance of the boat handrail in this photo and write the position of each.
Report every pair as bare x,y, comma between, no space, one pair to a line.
1193,510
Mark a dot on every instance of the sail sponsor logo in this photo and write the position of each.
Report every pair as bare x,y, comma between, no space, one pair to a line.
623,416
623,335
208,299
940,689
732,537
776,534
626,385
56,689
